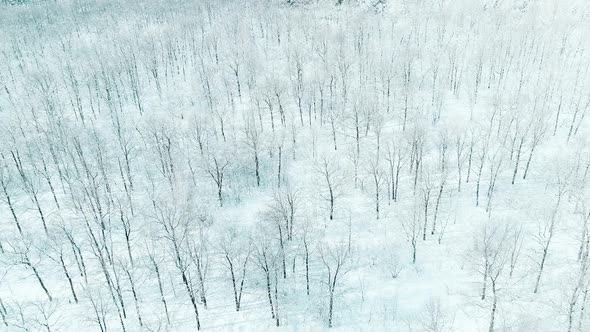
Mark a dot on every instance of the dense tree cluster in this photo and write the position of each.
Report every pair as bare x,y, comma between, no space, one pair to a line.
217,164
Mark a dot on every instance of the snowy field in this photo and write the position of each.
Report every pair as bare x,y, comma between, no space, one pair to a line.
302,165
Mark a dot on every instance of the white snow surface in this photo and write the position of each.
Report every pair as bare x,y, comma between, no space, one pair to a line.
137,118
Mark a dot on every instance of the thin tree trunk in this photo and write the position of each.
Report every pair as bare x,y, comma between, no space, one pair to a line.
40,281
161,289
63,265
192,298
269,293
438,198
133,291
493,313
528,163
306,266
330,308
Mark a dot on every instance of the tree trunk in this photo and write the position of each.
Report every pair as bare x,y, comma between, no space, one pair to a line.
161,289
528,163
330,308
306,268
493,314
40,281
257,165
269,293
440,192
193,300
63,265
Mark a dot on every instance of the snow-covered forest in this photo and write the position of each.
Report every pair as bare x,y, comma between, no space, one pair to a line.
360,165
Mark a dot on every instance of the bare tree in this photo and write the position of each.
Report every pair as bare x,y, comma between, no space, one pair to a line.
310,244
129,273
337,260
426,188
411,226
285,206
217,172
163,139
546,230
396,158
253,141
298,82
30,185
377,177
276,221
333,117
156,262
392,261
265,258
6,183
519,139
460,146
436,317
125,144
539,129
496,162
579,279
333,181
583,210
516,243
199,255
441,188
407,88
490,254
100,309
21,255
175,220
56,254
236,254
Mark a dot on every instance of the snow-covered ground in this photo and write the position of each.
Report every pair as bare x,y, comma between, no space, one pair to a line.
414,165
